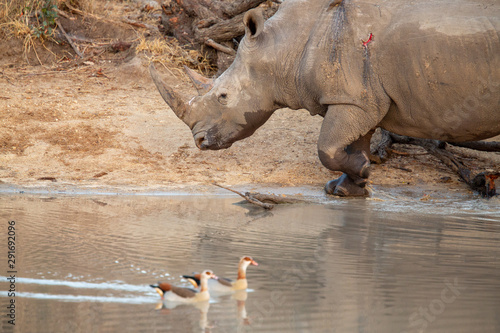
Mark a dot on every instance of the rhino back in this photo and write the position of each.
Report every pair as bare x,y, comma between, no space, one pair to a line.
432,68
439,62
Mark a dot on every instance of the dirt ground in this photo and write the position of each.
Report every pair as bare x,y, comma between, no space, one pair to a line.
101,122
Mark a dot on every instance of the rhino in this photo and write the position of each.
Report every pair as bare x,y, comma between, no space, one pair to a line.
426,69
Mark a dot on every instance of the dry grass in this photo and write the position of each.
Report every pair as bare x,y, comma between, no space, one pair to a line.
173,56
18,17
22,19
13,21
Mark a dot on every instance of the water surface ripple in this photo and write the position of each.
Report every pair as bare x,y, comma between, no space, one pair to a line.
385,264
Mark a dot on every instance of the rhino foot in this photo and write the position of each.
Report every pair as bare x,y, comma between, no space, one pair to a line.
344,186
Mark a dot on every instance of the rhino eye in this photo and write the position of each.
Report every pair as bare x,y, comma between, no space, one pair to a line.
222,98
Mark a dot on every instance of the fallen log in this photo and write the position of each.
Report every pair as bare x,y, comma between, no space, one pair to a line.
222,31
234,8
213,23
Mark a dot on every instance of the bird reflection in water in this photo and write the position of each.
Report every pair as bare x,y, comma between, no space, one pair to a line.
167,307
241,297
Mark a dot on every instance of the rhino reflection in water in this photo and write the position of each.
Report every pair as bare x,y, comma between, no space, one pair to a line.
428,69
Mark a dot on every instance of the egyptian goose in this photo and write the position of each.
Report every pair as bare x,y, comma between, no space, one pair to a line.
222,284
172,293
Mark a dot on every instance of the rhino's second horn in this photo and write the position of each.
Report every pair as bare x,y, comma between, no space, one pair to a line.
201,83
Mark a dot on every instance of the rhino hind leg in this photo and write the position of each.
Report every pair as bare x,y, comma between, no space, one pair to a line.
338,151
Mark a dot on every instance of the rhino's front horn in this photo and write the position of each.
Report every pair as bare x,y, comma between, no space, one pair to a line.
172,98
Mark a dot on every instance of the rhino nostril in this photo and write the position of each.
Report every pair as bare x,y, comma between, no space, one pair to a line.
199,141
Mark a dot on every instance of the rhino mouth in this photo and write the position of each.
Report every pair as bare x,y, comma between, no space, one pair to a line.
206,142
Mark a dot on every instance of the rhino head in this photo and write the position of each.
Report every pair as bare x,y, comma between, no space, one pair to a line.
235,104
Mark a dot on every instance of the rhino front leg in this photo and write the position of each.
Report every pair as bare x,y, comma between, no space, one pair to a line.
344,145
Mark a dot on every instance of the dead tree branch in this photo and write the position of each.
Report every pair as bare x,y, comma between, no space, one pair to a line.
479,145
70,41
484,182
219,47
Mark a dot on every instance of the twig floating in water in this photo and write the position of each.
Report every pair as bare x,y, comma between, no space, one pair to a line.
248,197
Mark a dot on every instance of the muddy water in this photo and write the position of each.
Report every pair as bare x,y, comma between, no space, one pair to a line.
392,264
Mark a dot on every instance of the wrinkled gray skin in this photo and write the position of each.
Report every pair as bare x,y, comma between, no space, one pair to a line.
432,70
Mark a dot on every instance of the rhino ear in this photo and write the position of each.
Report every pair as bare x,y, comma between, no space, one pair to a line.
254,22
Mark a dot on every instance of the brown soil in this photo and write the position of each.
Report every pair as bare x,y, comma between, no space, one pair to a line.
103,123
